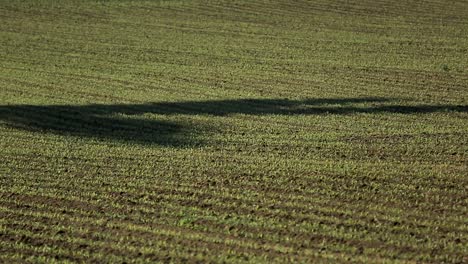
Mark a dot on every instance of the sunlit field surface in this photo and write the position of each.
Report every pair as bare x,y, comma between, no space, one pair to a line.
234,131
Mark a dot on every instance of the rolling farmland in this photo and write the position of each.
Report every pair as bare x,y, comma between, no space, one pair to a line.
234,131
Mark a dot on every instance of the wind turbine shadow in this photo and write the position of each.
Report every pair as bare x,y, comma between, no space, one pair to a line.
126,122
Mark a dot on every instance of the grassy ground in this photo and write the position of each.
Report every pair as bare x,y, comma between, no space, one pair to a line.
239,131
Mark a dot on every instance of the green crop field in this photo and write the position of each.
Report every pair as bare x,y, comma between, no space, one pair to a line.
260,131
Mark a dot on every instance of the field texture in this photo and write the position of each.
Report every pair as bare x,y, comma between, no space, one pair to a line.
234,131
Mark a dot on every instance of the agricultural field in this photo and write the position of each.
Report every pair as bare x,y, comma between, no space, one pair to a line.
260,131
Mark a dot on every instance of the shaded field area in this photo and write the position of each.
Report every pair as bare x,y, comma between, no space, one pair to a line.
234,131
115,121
